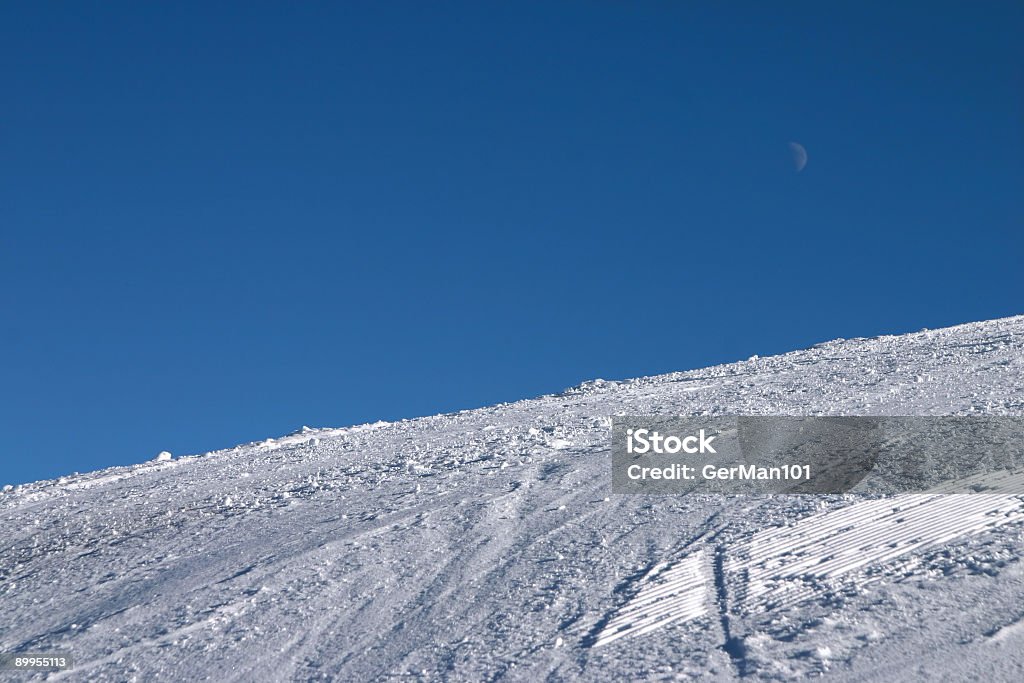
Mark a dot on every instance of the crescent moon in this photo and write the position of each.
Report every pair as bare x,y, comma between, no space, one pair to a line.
799,155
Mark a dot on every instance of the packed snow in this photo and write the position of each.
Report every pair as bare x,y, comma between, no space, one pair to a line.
488,544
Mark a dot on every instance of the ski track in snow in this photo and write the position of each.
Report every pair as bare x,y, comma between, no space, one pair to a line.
486,544
783,566
679,592
778,568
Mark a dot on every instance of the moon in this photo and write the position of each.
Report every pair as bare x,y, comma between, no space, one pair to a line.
799,155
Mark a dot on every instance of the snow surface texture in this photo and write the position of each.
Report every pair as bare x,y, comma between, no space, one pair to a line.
487,544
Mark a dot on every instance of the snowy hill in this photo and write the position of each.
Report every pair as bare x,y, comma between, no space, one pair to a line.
488,544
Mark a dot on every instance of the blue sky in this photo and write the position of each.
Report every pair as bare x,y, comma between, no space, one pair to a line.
221,222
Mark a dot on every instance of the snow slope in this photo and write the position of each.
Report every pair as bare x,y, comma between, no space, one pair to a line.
487,544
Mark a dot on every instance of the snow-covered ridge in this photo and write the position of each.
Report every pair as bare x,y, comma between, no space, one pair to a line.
486,544
303,436
1000,329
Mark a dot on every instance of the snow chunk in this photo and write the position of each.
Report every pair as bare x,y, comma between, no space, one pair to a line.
164,456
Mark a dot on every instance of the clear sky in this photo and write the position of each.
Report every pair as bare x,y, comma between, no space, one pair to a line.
222,221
